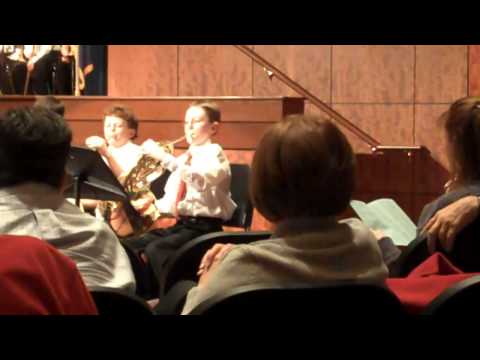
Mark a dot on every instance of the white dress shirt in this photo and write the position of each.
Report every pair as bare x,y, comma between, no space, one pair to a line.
126,156
208,183
39,210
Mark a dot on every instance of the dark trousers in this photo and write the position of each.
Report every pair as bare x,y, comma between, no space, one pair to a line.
41,76
159,245
12,76
63,76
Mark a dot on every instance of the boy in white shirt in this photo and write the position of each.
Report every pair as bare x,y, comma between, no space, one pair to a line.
120,127
198,190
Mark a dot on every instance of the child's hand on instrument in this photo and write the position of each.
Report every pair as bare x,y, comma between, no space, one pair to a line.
97,143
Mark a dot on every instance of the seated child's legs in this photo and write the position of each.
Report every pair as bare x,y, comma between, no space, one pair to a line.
161,246
139,243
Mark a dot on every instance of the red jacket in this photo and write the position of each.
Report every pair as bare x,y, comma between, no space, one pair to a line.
36,279
426,282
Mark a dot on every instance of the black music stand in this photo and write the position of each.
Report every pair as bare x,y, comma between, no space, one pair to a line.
92,178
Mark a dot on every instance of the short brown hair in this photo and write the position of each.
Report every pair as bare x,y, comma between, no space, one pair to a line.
303,166
462,125
124,113
211,109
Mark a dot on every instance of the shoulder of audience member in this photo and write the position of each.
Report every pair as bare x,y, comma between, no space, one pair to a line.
238,253
35,248
241,252
359,228
97,225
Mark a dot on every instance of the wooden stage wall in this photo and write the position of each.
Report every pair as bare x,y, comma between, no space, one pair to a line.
412,180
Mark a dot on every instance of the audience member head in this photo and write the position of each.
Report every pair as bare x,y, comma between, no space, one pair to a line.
51,103
201,121
119,125
34,146
462,129
303,166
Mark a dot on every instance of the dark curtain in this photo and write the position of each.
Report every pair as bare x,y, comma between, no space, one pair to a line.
96,81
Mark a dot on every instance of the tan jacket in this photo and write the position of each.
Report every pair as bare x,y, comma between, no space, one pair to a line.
304,251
